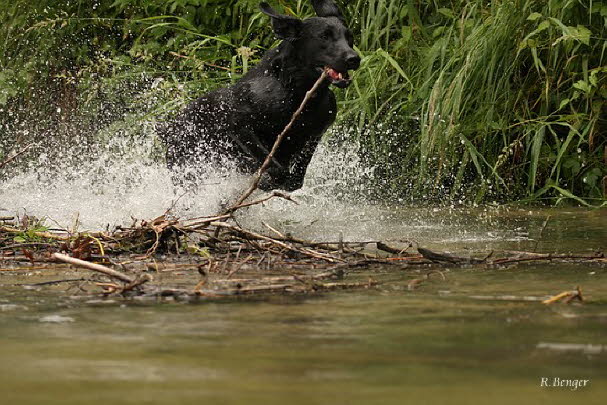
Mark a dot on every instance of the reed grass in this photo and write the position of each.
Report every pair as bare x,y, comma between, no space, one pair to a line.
501,100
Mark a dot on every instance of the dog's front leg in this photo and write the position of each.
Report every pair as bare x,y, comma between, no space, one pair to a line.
299,165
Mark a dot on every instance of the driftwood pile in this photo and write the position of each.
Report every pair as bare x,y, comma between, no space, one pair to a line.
224,259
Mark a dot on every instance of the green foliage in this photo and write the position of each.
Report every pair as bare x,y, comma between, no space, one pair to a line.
498,99
476,100
31,233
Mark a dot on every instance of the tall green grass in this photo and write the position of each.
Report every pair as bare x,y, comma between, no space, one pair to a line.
500,100
469,100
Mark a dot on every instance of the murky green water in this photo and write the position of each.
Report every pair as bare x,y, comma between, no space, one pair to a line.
451,341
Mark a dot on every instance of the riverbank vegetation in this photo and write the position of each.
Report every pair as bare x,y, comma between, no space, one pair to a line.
466,101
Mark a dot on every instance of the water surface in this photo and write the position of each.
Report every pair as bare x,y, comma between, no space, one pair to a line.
474,336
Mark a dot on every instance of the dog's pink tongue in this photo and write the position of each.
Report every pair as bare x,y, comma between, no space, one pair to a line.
333,74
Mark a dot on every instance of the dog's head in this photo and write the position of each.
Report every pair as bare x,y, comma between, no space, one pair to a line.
323,42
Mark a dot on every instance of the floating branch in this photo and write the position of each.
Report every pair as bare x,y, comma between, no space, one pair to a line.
566,297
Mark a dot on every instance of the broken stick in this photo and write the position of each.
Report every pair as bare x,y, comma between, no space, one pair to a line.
268,160
94,267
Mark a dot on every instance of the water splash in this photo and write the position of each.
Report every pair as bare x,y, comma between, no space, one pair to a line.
120,180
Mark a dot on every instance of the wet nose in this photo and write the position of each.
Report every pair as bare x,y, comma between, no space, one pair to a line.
353,61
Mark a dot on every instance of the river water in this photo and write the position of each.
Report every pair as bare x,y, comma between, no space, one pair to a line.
470,337
478,335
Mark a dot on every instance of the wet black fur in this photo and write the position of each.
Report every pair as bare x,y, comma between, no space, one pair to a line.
242,121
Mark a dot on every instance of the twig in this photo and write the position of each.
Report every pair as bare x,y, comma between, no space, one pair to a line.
322,245
201,222
22,245
15,156
539,238
416,282
144,278
70,280
333,274
567,296
257,236
239,266
505,298
276,231
45,235
266,163
344,286
548,257
275,193
94,267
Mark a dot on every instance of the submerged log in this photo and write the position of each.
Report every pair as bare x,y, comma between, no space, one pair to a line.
445,257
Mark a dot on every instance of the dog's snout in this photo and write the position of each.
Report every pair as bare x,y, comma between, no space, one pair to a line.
353,61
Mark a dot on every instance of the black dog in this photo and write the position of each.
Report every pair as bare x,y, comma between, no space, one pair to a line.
242,121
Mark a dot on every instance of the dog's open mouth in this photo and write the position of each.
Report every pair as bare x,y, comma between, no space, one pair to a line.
339,79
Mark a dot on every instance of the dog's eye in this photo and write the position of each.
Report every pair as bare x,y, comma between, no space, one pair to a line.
326,35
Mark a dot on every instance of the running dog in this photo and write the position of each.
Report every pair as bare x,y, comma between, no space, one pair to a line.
241,122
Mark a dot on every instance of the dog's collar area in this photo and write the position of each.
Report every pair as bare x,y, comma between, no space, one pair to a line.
339,79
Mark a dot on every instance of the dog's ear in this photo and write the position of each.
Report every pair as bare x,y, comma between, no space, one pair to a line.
326,8
285,27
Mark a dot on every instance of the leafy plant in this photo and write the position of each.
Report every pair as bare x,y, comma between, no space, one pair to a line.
456,101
